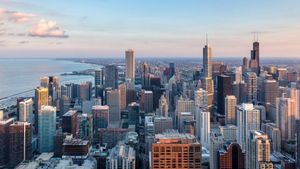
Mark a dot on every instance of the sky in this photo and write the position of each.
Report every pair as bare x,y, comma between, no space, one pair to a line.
153,28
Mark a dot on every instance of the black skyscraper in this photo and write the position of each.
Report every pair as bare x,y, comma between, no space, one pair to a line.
224,89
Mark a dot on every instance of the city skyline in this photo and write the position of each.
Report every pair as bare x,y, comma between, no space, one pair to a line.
153,28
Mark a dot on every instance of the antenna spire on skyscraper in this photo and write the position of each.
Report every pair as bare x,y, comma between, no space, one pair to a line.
206,39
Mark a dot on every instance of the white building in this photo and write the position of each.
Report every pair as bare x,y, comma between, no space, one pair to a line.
26,111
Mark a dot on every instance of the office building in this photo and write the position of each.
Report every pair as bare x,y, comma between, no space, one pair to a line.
274,135
270,92
4,141
182,150
130,65
133,113
76,149
123,96
229,132
216,144
100,116
41,98
47,127
248,118
205,128
111,76
200,97
113,101
224,89
163,106
69,122
230,109
44,81
162,124
147,101
99,77
251,83
85,91
182,118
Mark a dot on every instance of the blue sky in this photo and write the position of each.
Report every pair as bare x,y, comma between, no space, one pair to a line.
102,28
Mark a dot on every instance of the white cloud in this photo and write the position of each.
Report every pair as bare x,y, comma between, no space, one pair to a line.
46,28
19,17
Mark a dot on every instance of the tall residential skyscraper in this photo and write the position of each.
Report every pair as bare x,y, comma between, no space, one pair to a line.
248,118
19,143
113,101
167,147
224,89
258,151
26,111
130,65
251,82
41,98
230,110
111,76
4,141
47,127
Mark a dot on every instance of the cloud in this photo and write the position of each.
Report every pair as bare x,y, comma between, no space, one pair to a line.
19,17
46,28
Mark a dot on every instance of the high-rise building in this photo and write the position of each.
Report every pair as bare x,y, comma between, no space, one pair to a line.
238,74
47,127
298,143
286,117
100,116
258,151
69,122
205,128
175,150
251,83
207,72
113,101
85,91
270,91
163,106
44,82
231,157
26,111
40,99
162,124
171,69
147,101
185,105
274,134
130,65
230,109
245,64
4,141
248,118
123,96
224,89
133,113
19,143
99,77
200,97
216,144
182,118
121,156
254,62
229,132
111,76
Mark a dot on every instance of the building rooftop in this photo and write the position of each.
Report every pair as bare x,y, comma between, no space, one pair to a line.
70,113
174,137
73,141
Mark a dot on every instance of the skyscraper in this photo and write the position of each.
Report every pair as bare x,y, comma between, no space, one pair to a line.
258,151
111,76
26,111
224,89
4,141
130,65
231,157
41,98
100,117
99,77
113,101
69,122
172,145
121,156
248,118
163,106
230,109
171,69
251,83
205,128
270,91
85,91
254,62
147,101
207,81
123,96
47,127
200,98
216,143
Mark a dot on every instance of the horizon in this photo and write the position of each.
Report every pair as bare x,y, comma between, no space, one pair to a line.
33,28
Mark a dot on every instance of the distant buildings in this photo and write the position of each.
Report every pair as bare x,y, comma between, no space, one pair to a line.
147,101
121,156
114,103
230,109
130,65
251,83
111,76
224,89
100,116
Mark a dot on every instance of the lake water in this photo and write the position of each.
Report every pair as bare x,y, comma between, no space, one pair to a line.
19,75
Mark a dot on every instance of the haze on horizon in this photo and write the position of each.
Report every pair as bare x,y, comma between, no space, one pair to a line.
95,28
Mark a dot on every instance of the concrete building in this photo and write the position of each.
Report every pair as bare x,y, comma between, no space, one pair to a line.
224,88
130,65
147,101
100,116
69,122
162,123
274,135
229,132
123,96
113,101
99,77
41,98
231,156
4,140
216,144
111,76
26,111
200,97
172,144
163,106
182,118
204,128
251,85
121,156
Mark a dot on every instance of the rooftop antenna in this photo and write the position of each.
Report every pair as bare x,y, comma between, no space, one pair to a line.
206,39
